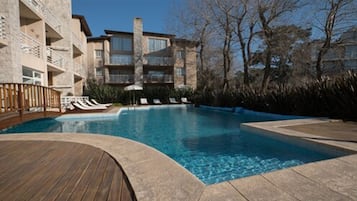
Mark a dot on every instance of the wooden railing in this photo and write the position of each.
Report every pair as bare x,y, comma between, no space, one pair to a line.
21,98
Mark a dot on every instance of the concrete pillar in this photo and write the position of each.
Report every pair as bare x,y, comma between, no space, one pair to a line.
138,51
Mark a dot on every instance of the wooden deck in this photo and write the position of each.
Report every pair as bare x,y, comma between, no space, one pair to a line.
11,119
51,170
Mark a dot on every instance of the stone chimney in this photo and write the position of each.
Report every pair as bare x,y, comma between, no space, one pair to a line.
138,51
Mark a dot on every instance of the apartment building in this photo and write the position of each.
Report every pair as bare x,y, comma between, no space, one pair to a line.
42,43
142,58
342,56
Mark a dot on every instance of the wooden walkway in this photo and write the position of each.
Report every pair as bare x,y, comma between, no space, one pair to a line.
51,170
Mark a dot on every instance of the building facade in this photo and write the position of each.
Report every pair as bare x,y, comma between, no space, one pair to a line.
342,56
42,43
142,58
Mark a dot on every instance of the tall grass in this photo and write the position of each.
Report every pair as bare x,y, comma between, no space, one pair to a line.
335,98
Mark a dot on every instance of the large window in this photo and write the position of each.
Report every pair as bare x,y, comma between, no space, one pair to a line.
121,44
30,76
157,44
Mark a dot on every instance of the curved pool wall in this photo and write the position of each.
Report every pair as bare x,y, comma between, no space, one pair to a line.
241,110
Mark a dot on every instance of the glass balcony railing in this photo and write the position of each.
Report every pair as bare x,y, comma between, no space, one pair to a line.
121,60
121,78
166,78
158,61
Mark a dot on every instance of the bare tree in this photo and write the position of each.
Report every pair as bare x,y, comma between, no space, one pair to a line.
270,12
338,14
244,19
222,12
193,21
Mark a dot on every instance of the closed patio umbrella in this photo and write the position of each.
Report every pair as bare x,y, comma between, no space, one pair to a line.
133,87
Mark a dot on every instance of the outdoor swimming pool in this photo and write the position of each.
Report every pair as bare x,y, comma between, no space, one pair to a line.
208,143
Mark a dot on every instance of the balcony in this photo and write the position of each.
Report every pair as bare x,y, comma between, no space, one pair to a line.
79,70
3,41
78,44
30,46
166,78
121,78
55,59
38,7
158,61
35,5
124,60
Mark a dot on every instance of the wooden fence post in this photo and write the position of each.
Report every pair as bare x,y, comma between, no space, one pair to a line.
20,105
44,100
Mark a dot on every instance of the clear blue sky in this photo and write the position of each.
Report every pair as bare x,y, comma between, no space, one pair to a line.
118,15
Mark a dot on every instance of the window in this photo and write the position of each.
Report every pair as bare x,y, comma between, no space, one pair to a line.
98,54
180,71
180,54
98,71
351,52
30,76
121,44
157,44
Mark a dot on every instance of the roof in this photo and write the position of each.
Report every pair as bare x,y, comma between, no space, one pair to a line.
144,33
96,39
84,25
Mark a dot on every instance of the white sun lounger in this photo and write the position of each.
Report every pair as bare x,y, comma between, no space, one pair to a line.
143,101
86,108
156,101
101,104
91,107
185,101
172,101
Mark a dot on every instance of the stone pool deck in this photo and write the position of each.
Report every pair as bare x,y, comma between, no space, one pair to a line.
154,176
334,179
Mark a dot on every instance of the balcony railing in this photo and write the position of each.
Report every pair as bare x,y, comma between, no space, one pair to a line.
2,28
41,9
30,46
158,61
36,5
77,41
52,20
121,60
79,69
158,78
121,79
54,58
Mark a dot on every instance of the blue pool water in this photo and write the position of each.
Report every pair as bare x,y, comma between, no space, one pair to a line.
210,144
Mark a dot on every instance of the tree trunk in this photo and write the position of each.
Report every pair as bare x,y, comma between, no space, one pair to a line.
267,70
329,26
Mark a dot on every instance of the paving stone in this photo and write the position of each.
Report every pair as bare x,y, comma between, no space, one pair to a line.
222,191
301,187
258,188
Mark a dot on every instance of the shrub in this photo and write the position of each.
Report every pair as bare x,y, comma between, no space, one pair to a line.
107,93
335,98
